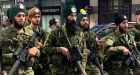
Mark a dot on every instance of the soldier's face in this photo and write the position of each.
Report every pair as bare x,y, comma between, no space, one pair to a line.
54,26
124,25
5,20
138,19
36,19
20,18
84,22
72,17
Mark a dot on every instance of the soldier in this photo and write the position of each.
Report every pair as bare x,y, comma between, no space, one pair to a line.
83,22
53,24
12,37
116,51
135,31
5,21
34,16
58,49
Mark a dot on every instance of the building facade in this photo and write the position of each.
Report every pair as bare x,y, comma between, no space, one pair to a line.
106,10
100,11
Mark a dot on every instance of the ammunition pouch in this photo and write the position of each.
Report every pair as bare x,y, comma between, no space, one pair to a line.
8,59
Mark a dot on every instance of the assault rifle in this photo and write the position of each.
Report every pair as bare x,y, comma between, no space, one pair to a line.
21,54
132,59
76,55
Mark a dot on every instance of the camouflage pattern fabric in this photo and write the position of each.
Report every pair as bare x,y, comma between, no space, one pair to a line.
10,40
58,63
40,65
91,68
135,32
114,56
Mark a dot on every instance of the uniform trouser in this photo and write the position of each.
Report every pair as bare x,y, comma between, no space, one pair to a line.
63,70
92,69
117,68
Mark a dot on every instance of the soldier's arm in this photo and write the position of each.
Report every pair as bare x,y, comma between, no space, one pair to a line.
135,33
85,54
109,45
50,42
132,32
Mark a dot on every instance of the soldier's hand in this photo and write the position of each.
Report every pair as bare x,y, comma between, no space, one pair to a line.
137,72
39,45
4,72
64,51
33,51
125,51
84,73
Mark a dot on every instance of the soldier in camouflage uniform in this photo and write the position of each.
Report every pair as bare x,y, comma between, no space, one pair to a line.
116,51
57,48
12,37
83,22
5,22
34,16
135,31
53,24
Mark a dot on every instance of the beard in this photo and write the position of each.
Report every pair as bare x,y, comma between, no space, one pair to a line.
86,28
71,26
123,30
17,25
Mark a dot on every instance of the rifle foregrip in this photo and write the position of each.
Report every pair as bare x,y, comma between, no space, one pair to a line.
14,68
80,67
79,52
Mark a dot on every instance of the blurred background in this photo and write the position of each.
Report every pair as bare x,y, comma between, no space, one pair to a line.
101,12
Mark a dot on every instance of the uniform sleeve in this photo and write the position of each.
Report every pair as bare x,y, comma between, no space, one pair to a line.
85,54
135,34
109,45
49,43
132,32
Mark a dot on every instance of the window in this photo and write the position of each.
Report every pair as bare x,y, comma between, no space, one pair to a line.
29,3
109,9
